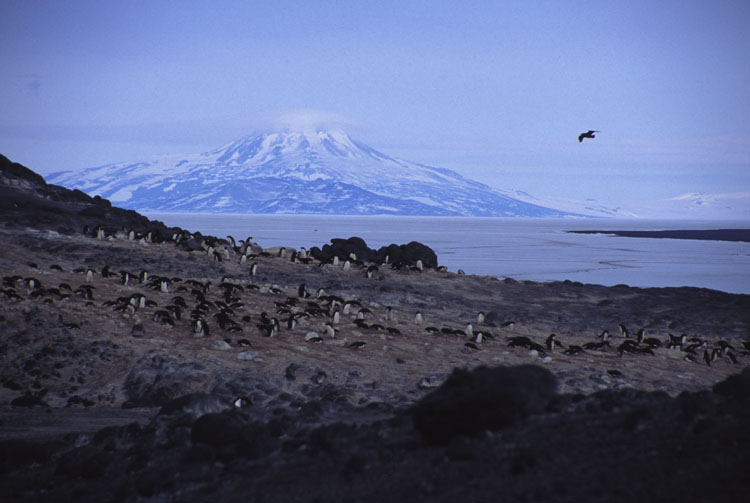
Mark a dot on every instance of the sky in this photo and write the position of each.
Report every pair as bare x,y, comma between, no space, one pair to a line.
498,91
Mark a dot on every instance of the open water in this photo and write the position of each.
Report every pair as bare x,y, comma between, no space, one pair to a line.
523,249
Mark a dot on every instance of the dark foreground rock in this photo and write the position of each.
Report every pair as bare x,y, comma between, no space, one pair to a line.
471,402
609,446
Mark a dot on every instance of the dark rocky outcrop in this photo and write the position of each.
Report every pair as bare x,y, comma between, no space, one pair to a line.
26,200
399,255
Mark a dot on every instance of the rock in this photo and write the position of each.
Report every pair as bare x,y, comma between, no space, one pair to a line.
233,434
247,355
735,386
483,399
404,255
19,453
29,399
219,345
138,331
157,378
432,381
313,337
195,404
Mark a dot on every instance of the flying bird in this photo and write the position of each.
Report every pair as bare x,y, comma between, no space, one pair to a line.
587,134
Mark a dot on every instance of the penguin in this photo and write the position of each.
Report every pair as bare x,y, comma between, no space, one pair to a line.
361,324
604,336
89,275
595,345
676,341
551,342
640,335
124,277
471,345
335,318
241,401
480,317
347,265
652,342
330,332
519,340
198,328
143,276
164,317
420,266
31,285
302,291
86,291
469,330
253,269
394,331
573,350
335,260
623,331
357,345
291,322
628,346
418,318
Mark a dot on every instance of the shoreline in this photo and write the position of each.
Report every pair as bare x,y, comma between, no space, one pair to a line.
733,235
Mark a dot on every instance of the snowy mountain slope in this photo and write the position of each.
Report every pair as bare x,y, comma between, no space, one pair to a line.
323,172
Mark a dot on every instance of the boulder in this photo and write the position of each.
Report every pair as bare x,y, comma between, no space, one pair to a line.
470,402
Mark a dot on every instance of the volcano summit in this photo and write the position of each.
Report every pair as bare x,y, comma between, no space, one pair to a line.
311,172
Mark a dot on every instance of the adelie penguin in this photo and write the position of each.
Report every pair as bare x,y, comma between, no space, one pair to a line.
469,330
551,342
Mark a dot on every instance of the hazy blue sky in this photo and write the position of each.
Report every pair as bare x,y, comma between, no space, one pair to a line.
496,90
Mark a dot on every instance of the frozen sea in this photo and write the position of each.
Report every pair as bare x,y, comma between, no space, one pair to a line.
523,249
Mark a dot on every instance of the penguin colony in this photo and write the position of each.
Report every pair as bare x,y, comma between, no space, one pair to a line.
209,307
243,310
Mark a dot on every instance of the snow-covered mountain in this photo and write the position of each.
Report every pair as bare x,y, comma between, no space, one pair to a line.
322,172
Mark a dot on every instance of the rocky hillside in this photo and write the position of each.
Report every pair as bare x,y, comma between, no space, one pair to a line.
141,363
